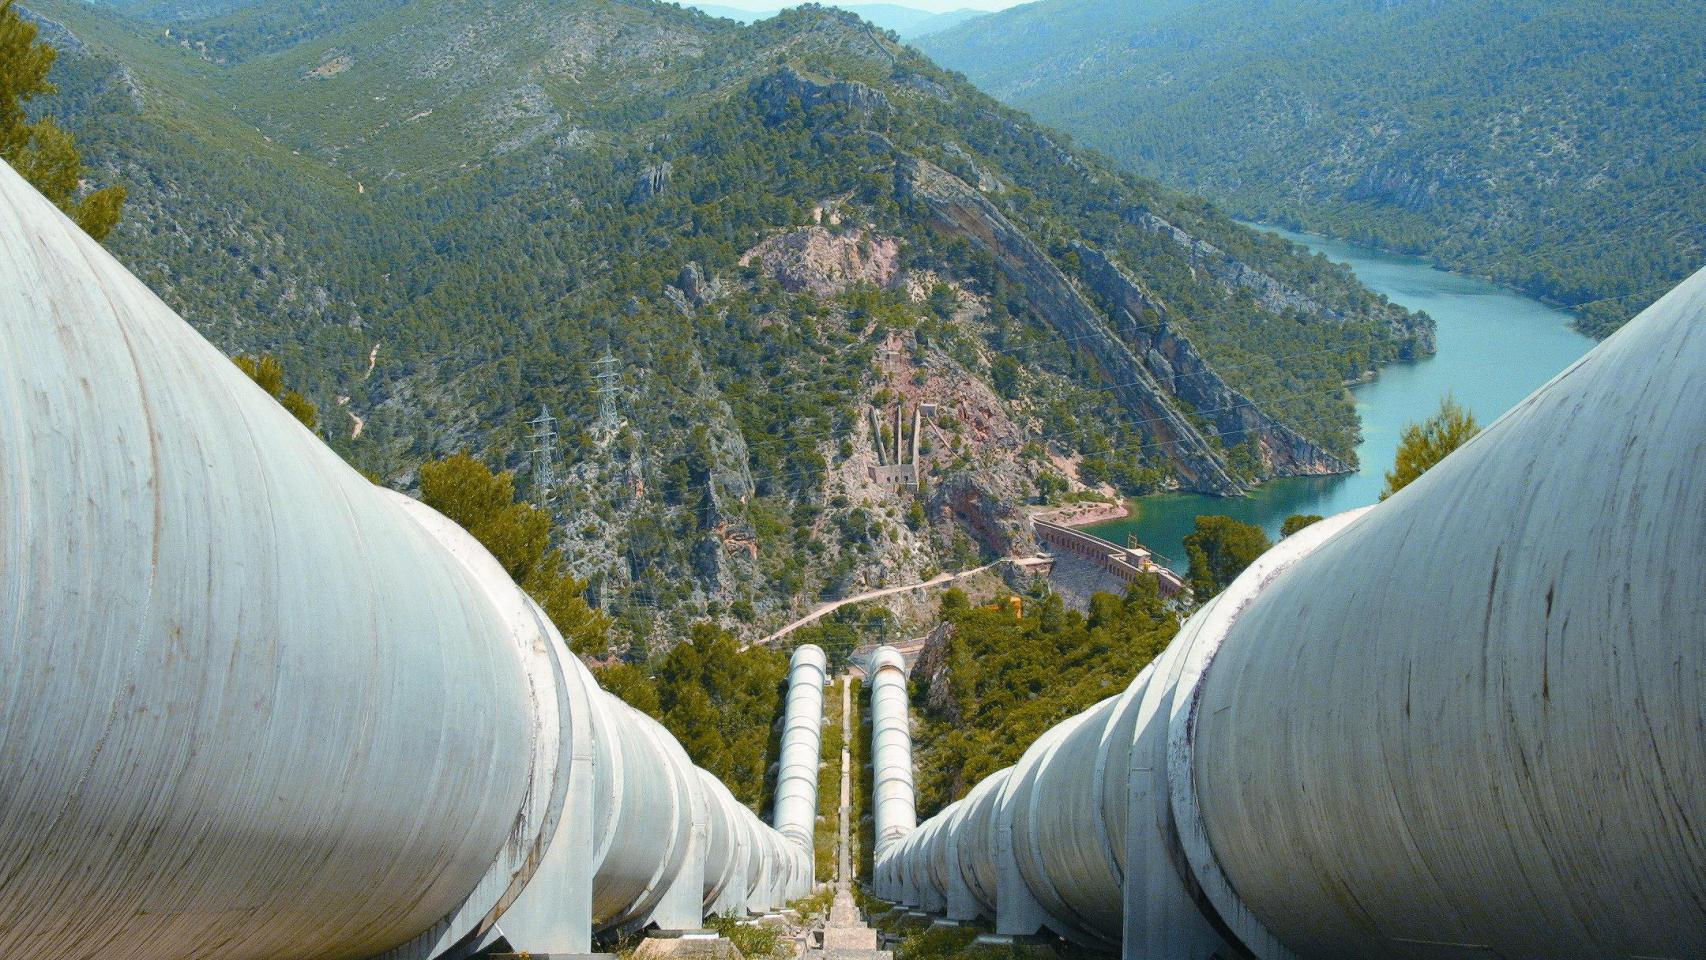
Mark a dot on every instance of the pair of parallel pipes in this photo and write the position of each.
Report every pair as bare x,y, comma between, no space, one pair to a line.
253,706
1469,722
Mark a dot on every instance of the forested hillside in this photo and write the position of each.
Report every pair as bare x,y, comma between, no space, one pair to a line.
1556,145
908,23
787,238
989,683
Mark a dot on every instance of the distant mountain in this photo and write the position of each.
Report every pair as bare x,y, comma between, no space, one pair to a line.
1557,145
908,23
790,238
736,14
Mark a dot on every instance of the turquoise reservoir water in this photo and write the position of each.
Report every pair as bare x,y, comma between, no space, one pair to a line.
1495,347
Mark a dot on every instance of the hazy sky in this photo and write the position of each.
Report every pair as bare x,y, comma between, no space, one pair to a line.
940,6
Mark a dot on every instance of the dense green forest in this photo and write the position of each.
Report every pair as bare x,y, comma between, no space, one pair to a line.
440,217
1006,680
1556,146
907,21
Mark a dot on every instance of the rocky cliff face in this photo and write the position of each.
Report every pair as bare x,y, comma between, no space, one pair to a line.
775,92
817,261
1148,374
991,515
1179,370
1480,135
931,668
1415,331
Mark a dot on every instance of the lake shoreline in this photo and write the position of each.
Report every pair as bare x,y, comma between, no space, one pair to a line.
1432,261
1495,346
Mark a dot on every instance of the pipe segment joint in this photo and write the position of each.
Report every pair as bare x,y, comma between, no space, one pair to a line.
1196,646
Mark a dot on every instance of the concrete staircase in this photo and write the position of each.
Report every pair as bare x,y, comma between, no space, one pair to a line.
846,935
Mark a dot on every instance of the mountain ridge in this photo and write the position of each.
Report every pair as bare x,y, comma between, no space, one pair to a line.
438,244
1554,147
906,22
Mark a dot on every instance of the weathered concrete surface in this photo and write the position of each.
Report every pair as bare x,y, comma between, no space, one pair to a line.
1129,564
795,815
1468,722
849,937
686,948
893,799
1513,655
256,707
206,618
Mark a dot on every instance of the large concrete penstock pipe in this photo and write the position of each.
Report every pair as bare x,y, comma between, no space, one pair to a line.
253,706
893,797
802,749
1469,722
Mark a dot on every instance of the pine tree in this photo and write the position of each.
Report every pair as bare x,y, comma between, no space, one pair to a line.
519,537
1427,443
268,374
629,683
42,152
1219,550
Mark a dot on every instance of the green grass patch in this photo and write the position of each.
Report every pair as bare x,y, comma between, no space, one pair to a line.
753,940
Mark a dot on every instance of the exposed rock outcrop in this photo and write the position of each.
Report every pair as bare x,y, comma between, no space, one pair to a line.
727,482
931,668
1179,369
1411,186
692,290
928,86
986,181
773,92
1416,331
652,181
992,516
814,260
1201,465
696,287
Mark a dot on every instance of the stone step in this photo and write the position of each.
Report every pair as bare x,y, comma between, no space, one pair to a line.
849,938
686,948
858,955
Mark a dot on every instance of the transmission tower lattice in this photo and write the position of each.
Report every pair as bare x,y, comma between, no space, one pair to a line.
544,452
609,372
